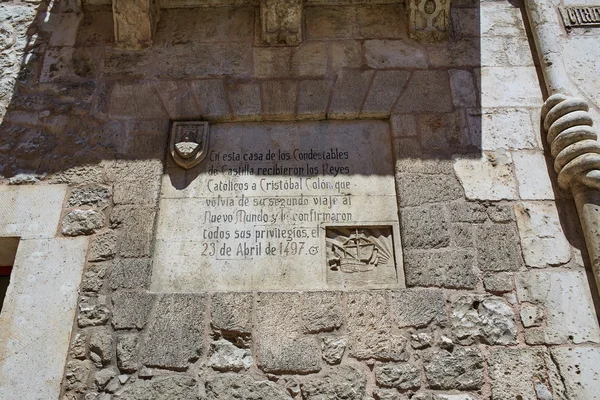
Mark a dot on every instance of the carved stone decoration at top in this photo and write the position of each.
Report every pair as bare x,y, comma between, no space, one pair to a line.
135,23
429,20
188,144
281,22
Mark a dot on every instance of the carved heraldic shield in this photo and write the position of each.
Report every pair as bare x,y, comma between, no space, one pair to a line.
189,143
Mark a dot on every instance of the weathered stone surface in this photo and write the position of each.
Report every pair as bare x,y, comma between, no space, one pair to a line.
232,312
104,376
510,87
279,99
225,356
287,354
487,178
77,375
421,340
531,315
328,22
348,93
462,369
427,91
236,386
532,175
131,309
127,352
418,189
451,269
281,22
387,394
309,60
101,344
394,54
403,376
163,388
499,282
137,225
383,93
418,308
343,382
93,278
180,316
82,222
464,93
333,349
486,319
498,247
542,237
246,100
103,247
312,103
95,196
272,62
212,98
137,192
135,22
322,311
578,367
566,297
130,273
430,21
178,100
503,129
513,372
79,346
425,227
369,325
92,312
135,100
445,132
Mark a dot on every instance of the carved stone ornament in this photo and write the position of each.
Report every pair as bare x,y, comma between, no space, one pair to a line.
359,249
281,22
429,20
188,144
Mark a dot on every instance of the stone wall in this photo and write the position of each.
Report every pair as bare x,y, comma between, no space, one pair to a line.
497,303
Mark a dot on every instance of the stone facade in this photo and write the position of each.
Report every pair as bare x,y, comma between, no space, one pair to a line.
495,299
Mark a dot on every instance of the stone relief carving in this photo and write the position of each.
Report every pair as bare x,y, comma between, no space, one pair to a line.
573,141
358,249
189,143
281,22
429,20
580,16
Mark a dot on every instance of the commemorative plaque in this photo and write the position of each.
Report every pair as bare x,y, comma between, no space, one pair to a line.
280,207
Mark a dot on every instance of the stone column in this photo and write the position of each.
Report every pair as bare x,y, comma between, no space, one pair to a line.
571,137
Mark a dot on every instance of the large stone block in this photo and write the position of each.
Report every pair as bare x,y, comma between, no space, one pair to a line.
379,21
131,309
82,222
486,319
425,227
394,54
279,99
322,311
313,96
103,247
461,370
178,316
343,382
137,225
369,325
178,99
498,247
579,371
566,296
135,100
180,387
383,93
211,98
232,312
531,169
237,386
246,100
326,23
135,22
418,189
94,196
310,59
402,376
450,269
418,308
130,273
514,373
488,178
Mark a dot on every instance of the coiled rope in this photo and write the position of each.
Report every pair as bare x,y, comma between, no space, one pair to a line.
573,141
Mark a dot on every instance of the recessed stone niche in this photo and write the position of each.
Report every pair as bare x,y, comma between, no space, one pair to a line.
282,206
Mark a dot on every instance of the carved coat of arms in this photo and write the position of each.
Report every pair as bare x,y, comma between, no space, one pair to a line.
188,144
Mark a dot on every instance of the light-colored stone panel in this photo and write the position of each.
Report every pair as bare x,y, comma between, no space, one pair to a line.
568,305
489,177
394,54
502,128
501,19
37,317
580,370
510,87
500,51
542,239
532,175
31,211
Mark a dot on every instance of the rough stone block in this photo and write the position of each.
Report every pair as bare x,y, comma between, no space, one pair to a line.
333,349
566,297
542,237
466,211
237,386
103,247
326,23
450,269
279,99
425,227
514,372
369,325
383,93
578,368
498,247
500,19
402,376
418,189
394,54
136,192
232,312
322,311
128,352
78,374
445,132
94,196
313,96
348,93
127,170
427,91
178,99
418,308
82,222
461,370
225,356
132,273
345,54
486,319
343,382
178,316
137,225
531,315
101,344
499,282
93,278
135,100
246,100
180,387
212,98
131,309
92,312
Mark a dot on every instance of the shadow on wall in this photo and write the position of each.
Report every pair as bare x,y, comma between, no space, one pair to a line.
80,103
